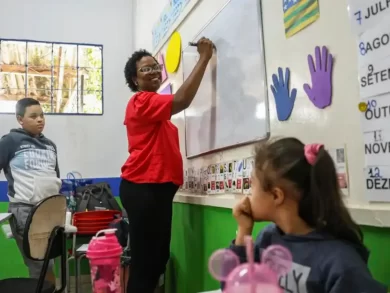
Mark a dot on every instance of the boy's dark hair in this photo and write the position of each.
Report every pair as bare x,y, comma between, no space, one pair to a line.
24,103
321,204
131,67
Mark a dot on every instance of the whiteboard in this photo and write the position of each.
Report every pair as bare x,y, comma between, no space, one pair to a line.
231,105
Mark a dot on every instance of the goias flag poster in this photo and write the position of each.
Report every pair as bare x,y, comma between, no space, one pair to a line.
298,14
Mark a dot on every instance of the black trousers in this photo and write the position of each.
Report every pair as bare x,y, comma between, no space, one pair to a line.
149,208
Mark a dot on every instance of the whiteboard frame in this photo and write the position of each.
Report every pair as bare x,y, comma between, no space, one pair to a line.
266,96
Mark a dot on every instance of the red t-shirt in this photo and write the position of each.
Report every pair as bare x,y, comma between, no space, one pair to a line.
153,141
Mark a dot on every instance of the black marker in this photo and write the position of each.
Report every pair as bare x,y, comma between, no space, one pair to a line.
195,44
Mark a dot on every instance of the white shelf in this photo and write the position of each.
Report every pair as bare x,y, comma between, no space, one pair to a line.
369,214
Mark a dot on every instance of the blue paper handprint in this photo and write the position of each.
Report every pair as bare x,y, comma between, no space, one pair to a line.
283,100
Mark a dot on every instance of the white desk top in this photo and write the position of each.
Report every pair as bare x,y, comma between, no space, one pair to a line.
69,229
82,248
4,217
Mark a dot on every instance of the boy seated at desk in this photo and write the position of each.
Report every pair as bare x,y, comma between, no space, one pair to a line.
29,162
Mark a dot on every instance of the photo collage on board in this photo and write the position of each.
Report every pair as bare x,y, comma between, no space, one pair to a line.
233,177
339,157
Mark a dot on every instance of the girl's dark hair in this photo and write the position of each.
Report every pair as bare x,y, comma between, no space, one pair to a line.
320,204
131,67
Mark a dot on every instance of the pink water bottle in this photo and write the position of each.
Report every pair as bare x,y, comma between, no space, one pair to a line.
104,254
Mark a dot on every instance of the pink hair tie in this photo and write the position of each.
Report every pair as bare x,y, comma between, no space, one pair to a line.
311,152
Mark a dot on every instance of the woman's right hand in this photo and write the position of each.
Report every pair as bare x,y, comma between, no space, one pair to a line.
205,48
243,215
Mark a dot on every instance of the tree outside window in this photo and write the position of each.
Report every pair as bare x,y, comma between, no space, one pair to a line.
64,78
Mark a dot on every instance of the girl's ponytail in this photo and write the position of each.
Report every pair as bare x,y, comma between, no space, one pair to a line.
323,196
310,170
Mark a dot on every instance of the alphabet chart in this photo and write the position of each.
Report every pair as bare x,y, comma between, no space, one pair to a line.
370,20
232,177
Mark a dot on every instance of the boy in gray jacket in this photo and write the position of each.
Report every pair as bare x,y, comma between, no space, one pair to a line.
29,162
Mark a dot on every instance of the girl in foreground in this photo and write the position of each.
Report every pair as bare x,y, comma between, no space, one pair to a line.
295,186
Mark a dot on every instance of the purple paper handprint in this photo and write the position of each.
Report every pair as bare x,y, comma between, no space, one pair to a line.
320,93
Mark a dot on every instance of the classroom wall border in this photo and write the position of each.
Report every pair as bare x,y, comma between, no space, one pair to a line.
114,183
369,215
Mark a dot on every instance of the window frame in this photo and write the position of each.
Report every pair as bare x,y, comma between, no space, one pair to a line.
62,43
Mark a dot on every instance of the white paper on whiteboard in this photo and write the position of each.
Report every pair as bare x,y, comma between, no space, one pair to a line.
377,147
377,115
235,111
377,182
374,44
366,14
199,114
374,78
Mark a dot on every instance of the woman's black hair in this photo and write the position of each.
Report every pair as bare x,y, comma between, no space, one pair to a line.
321,203
131,67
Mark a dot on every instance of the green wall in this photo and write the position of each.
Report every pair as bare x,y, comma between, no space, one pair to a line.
11,264
200,230
197,232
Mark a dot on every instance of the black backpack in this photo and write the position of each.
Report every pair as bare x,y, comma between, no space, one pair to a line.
95,197
122,231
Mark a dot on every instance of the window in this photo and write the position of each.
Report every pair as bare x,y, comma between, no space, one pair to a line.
65,78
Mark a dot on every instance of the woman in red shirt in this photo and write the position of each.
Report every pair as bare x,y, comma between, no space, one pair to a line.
154,170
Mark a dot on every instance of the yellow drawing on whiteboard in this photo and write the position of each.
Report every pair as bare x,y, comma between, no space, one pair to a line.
363,107
172,57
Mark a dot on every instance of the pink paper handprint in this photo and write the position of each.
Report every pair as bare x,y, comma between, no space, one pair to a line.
320,93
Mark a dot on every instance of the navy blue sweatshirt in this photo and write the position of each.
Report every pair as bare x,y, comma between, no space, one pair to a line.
321,263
